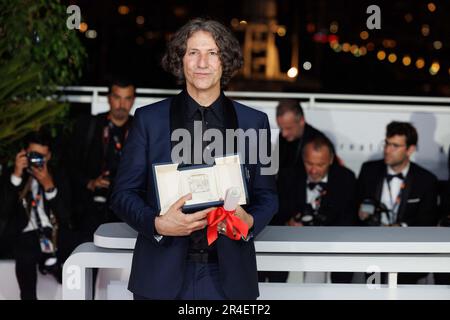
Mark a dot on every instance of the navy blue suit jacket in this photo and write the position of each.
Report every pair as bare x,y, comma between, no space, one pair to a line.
158,267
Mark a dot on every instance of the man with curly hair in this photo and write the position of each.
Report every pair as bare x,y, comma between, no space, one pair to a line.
172,258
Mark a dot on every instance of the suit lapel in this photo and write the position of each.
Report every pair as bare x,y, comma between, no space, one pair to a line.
177,112
380,182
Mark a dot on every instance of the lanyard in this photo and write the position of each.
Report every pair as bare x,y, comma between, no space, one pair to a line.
117,141
394,204
35,201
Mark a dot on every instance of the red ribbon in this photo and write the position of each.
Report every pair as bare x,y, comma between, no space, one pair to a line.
232,221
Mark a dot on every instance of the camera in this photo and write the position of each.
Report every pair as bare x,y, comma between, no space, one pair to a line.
310,217
35,159
374,210
101,195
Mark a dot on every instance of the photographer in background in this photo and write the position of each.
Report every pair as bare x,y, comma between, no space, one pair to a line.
94,154
36,200
326,194
395,191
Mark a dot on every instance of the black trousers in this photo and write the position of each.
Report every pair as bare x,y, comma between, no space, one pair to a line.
27,254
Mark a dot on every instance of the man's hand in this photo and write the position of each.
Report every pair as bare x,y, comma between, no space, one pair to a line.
294,223
43,176
21,163
241,214
363,215
176,223
100,182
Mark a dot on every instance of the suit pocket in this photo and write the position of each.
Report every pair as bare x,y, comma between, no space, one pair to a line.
415,200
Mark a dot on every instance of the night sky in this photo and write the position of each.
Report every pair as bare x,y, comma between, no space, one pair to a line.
414,29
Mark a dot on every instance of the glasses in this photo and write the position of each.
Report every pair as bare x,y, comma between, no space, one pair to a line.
393,145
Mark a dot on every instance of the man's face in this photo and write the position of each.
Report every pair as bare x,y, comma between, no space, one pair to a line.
120,101
201,63
39,148
317,162
395,150
291,126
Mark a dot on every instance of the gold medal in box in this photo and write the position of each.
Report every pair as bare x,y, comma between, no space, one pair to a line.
207,183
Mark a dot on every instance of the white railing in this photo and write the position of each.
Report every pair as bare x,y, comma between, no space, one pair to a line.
310,249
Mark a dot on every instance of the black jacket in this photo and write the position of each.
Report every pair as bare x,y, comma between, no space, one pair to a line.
338,205
418,206
287,184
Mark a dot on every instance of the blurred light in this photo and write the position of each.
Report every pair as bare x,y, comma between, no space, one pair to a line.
91,34
83,27
338,48
408,17
180,11
364,35
392,57
432,7
406,61
425,30
334,27
242,22
362,51
140,20
381,55
437,45
333,38
320,37
307,65
281,31
354,49
370,46
434,69
140,40
311,27
389,43
234,23
124,10
448,71
334,44
346,47
420,63
292,72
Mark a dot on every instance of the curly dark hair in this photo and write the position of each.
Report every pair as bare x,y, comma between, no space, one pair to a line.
229,49
403,129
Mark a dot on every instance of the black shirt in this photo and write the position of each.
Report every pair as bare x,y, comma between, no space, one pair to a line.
114,138
212,117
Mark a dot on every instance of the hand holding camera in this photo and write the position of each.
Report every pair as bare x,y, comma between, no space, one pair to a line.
21,163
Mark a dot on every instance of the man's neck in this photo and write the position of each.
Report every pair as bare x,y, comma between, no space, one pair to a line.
399,167
204,98
118,122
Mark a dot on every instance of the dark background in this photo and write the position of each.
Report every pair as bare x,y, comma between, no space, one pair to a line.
123,46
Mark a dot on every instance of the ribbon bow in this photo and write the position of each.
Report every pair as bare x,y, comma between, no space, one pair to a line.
232,221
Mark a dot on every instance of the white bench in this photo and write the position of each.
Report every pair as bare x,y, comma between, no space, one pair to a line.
351,249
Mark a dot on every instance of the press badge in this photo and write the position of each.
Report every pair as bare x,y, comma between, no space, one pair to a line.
46,245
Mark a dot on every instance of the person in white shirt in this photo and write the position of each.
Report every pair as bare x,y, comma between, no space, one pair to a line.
395,191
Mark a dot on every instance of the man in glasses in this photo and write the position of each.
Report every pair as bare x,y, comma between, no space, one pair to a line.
395,191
